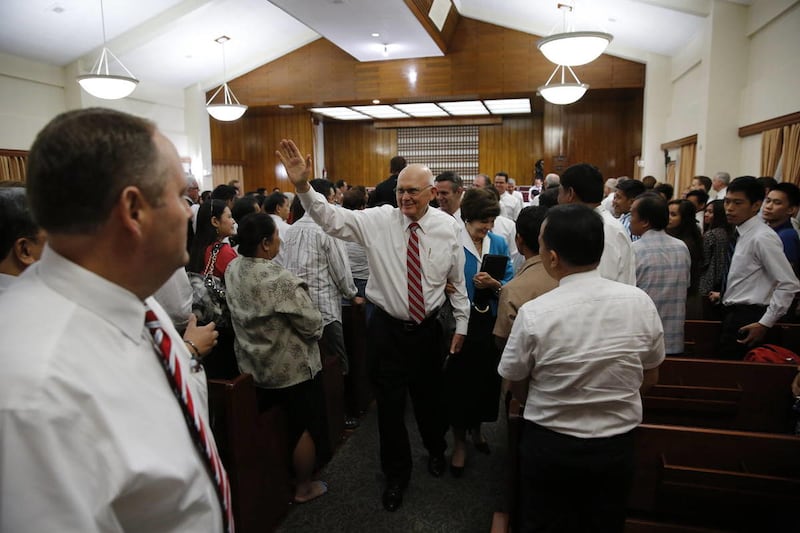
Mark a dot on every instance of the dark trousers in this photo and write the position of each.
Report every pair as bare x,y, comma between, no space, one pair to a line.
569,484
405,361
733,318
333,339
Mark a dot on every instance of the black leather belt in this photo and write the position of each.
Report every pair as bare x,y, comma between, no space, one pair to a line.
408,325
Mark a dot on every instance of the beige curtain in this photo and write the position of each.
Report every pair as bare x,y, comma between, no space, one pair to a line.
222,174
771,145
686,171
791,153
12,167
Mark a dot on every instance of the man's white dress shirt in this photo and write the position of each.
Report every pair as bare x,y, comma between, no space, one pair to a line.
618,262
175,296
92,437
760,274
507,229
584,346
384,232
5,282
510,205
283,227
321,261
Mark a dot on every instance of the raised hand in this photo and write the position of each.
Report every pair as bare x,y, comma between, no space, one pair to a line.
297,168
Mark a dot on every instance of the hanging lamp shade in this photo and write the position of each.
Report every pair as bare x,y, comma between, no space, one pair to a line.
101,83
574,48
563,92
229,109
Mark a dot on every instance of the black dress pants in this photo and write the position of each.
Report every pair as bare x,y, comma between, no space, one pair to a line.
574,485
733,318
406,360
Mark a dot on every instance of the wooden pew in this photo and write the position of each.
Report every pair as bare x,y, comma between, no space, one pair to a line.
701,337
332,423
254,449
717,478
722,394
358,390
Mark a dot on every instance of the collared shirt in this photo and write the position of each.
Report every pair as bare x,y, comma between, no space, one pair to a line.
93,436
321,261
699,218
384,232
584,346
791,243
760,274
283,227
276,324
663,268
5,281
507,229
510,205
175,296
617,262
532,280
625,220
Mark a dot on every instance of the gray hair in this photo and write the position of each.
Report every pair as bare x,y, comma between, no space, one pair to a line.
551,180
724,177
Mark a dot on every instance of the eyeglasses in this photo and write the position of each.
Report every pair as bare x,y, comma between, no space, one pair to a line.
414,192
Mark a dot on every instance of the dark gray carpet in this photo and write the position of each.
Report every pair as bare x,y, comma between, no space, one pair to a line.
353,501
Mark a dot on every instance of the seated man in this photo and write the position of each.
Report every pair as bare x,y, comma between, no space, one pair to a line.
578,357
21,239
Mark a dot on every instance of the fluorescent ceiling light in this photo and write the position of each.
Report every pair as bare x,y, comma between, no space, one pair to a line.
469,107
340,113
508,106
380,111
422,110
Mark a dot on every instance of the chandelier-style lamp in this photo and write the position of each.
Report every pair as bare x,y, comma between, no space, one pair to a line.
101,83
230,109
572,48
563,93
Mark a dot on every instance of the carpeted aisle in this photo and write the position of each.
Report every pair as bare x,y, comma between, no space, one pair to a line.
353,502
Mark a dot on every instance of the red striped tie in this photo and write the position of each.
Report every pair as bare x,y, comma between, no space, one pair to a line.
416,302
172,366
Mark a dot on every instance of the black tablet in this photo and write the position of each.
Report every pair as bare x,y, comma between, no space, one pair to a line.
494,265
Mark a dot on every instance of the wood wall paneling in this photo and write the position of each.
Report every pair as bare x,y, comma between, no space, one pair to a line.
512,147
358,153
483,60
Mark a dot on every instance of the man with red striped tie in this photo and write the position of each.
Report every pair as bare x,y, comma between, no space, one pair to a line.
103,413
414,252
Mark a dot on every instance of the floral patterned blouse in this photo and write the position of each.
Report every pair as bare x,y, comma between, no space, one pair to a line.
275,322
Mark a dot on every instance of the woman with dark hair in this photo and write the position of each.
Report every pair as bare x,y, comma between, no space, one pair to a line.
472,385
716,261
277,328
214,227
211,251
683,225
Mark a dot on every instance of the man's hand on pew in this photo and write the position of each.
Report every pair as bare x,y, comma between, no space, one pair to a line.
752,333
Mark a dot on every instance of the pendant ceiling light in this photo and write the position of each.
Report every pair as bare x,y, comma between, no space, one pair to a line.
101,83
572,48
230,109
563,93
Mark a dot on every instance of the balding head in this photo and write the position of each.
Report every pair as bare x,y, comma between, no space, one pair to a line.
415,188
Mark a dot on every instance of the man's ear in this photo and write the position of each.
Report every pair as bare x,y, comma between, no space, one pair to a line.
23,252
133,209
553,258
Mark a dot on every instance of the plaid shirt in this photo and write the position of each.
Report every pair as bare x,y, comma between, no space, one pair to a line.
663,268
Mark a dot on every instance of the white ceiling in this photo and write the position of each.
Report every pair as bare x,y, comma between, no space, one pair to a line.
171,42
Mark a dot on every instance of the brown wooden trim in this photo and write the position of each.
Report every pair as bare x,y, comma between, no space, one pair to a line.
677,143
237,162
13,153
428,24
764,125
423,122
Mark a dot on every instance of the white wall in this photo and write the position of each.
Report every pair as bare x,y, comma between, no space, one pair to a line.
772,87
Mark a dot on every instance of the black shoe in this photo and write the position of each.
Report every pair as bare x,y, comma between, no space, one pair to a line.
483,447
436,465
392,498
457,471
351,422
